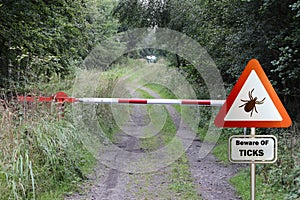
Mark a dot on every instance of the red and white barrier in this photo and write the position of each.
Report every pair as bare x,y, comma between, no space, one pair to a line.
62,97
151,101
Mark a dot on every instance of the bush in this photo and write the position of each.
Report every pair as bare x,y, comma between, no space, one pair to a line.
285,173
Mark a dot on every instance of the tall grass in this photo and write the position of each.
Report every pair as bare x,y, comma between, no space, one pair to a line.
38,153
108,87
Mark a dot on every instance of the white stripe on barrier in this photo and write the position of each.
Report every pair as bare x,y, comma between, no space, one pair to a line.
163,101
217,102
97,100
190,102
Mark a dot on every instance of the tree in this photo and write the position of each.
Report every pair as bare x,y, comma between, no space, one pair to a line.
137,14
42,38
266,30
233,32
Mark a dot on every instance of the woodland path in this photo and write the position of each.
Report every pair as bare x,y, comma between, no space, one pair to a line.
210,177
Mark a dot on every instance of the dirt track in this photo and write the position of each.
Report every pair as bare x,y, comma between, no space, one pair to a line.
210,176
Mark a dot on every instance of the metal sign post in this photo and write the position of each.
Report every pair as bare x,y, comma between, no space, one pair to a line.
252,149
253,103
252,172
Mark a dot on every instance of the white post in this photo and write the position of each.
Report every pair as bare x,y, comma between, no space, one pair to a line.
252,171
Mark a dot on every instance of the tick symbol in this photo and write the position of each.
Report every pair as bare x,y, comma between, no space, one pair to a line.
250,105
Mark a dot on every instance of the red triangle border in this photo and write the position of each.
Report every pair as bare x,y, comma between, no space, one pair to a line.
253,65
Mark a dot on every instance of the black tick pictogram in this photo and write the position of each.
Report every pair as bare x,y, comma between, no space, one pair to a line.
250,105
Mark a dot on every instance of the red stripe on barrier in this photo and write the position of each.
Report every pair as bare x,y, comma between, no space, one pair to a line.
196,102
137,101
20,98
28,99
45,99
67,99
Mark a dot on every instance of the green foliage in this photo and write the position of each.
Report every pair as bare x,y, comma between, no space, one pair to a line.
284,174
221,152
263,191
181,181
39,38
135,13
164,93
266,30
281,178
105,89
39,154
233,32
43,41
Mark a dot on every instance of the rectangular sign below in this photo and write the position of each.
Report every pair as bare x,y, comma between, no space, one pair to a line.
250,149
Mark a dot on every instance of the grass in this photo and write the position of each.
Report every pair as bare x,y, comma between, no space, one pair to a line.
164,93
181,183
42,158
188,113
87,163
241,181
221,152
263,191
39,155
167,132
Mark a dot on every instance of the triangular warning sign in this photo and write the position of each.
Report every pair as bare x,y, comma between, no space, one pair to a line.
253,102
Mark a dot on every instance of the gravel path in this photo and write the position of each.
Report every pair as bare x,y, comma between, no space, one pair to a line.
210,176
